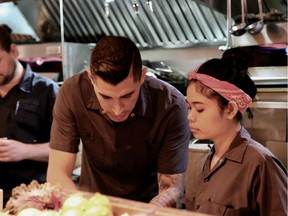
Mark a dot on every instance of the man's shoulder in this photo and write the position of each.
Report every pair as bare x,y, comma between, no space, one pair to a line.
33,81
79,84
38,77
163,96
163,89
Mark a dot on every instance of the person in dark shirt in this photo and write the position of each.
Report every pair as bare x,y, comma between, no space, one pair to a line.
133,128
26,103
240,176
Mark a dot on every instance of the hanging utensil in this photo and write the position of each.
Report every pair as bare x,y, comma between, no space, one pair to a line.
107,7
150,5
257,26
239,29
228,25
135,6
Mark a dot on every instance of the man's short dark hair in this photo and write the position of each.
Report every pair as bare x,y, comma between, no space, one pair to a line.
5,37
114,57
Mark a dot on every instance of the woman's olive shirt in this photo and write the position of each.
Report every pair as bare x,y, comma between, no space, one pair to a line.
123,160
249,180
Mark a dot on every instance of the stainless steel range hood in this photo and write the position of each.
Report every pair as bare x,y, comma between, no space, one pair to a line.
167,23
149,23
171,24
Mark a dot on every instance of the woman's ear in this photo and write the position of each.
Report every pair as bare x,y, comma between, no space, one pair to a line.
231,110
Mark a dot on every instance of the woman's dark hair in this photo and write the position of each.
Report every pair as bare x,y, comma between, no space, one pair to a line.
114,57
5,37
233,68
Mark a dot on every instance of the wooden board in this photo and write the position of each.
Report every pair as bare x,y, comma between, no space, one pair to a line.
122,206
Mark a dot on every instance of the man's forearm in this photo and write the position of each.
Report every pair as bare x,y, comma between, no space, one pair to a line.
64,182
60,168
171,189
38,152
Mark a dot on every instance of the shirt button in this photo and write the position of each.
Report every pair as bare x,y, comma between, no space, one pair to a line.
132,115
206,180
197,206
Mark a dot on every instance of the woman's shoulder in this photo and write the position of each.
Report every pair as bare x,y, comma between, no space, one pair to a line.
261,156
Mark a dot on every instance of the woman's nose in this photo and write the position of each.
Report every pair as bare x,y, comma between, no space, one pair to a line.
191,117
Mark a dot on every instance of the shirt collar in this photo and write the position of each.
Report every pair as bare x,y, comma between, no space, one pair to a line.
25,84
238,146
143,106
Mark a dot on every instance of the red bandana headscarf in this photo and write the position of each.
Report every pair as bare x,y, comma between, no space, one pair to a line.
225,89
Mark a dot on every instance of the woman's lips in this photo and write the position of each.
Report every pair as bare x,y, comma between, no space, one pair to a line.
194,130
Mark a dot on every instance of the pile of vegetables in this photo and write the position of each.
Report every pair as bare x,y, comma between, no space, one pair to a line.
38,196
76,205
49,200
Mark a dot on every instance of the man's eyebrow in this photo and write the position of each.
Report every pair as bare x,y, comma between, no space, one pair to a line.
103,95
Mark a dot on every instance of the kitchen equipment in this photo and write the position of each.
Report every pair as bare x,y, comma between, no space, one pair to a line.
239,29
164,72
228,25
257,26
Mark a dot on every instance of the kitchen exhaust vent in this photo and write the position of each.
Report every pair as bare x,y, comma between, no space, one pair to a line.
149,23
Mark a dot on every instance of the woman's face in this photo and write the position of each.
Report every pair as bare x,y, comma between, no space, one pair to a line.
206,120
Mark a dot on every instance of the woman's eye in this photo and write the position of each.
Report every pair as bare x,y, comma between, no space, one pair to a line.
200,110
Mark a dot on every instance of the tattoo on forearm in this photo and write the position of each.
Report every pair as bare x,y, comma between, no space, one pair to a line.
171,188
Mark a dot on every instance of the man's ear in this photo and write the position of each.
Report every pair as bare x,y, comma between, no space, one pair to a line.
231,110
143,74
14,51
89,75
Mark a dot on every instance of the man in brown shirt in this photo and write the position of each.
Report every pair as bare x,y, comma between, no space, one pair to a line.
134,129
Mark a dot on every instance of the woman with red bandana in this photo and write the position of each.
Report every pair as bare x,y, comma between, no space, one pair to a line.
240,176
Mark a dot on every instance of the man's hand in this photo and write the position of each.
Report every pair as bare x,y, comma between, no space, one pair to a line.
171,190
14,151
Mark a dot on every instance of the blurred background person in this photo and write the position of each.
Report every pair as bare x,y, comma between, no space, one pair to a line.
240,176
26,103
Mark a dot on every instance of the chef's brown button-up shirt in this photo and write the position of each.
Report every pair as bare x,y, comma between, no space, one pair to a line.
249,180
123,159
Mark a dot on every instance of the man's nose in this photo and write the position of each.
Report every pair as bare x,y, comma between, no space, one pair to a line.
117,109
